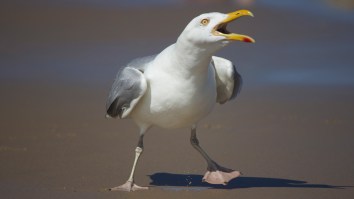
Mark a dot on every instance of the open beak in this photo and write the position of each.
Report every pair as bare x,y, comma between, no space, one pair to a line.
220,29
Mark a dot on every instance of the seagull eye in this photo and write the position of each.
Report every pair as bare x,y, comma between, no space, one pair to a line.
204,22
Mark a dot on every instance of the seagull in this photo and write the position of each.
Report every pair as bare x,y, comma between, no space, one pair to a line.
180,86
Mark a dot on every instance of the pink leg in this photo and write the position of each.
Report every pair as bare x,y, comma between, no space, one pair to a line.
220,176
130,185
215,174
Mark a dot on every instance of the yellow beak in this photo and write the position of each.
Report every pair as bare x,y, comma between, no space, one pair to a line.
220,29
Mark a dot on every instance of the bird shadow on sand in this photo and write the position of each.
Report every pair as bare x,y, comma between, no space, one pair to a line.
194,182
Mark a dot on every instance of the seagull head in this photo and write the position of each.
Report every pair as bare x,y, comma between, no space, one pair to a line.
210,30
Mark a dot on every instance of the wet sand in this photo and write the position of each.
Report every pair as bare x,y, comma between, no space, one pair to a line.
290,131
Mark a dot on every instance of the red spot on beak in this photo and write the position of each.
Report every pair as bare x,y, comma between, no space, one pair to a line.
248,40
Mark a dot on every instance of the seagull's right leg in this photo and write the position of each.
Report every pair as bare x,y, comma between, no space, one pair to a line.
130,184
215,174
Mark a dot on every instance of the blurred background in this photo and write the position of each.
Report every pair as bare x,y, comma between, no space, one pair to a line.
83,40
58,59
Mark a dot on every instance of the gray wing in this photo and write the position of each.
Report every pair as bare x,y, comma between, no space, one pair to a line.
228,80
128,87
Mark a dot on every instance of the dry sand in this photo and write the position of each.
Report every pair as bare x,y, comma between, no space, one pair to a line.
290,131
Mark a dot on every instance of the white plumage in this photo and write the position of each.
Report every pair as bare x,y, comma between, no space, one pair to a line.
180,86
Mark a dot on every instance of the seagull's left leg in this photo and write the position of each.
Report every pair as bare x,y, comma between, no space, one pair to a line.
215,174
130,184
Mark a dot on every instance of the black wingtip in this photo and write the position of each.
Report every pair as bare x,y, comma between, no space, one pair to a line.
237,83
115,109
112,110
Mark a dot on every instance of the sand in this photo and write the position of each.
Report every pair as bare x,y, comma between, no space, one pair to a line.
290,131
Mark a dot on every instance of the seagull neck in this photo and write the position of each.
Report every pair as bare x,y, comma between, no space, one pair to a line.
192,56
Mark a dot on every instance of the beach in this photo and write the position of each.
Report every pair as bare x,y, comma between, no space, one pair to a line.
290,131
